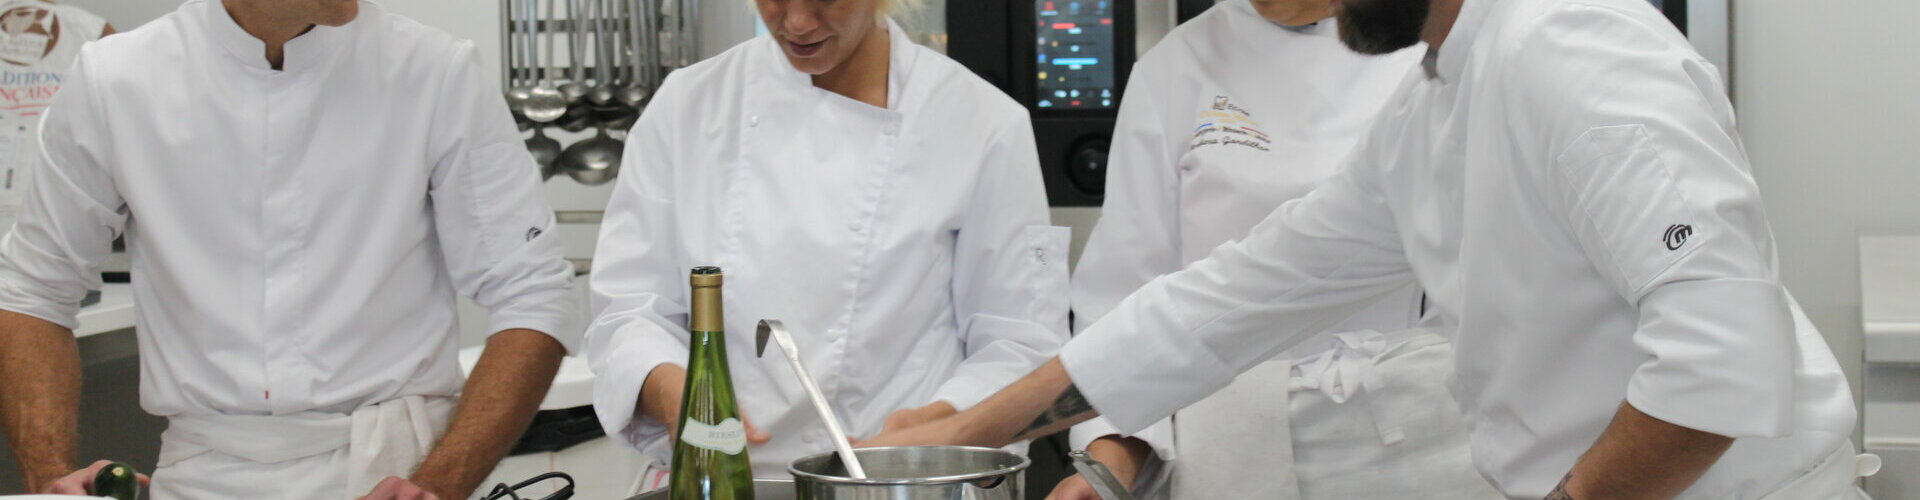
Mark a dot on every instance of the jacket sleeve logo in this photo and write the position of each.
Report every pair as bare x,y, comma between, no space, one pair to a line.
1677,235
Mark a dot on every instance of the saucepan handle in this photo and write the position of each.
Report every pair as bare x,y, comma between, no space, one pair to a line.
1099,477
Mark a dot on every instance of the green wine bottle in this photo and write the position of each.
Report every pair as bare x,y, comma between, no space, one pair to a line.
710,457
117,481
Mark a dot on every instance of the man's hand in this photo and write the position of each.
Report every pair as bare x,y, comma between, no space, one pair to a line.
660,397
1042,403
1640,456
394,488
915,417
40,397
80,482
1124,456
1074,487
496,406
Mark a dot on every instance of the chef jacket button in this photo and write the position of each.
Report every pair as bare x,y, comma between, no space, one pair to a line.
753,121
893,129
853,226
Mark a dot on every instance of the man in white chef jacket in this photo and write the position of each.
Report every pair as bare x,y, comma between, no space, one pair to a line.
1564,178
1240,109
303,187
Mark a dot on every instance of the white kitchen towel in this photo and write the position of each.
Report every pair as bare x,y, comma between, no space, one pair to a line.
304,455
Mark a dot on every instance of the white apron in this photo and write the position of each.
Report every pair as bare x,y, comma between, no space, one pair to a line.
1370,419
300,456
1835,478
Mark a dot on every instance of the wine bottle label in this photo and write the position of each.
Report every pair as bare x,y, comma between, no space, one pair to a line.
729,436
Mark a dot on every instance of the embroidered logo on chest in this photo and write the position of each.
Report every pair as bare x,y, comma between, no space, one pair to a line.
1225,124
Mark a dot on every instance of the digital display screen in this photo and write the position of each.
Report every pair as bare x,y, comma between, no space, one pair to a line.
1076,67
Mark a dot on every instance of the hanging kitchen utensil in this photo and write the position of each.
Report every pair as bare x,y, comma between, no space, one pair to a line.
693,28
593,161
637,92
778,331
521,91
680,34
579,112
608,111
650,49
604,86
576,87
544,103
506,45
546,152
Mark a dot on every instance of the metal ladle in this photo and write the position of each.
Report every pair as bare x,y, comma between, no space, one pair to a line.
607,108
579,112
521,92
576,87
543,103
545,150
778,331
596,160
593,161
603,93
637,91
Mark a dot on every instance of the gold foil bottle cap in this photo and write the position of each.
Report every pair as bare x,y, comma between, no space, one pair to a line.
705,277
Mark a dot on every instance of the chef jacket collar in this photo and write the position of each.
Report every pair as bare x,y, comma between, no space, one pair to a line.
306,51
900,59
1447,61
1324,27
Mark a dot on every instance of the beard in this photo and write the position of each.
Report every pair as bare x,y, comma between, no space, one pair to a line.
1377,27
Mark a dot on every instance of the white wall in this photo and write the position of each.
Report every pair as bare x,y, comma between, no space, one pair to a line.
126,14
1827,93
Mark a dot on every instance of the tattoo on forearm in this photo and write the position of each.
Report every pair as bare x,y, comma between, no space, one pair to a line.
1070,404
1560,492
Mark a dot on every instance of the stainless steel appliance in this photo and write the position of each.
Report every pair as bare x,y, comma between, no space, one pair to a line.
1067,61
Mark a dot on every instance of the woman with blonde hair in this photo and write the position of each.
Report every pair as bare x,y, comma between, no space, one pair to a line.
876,196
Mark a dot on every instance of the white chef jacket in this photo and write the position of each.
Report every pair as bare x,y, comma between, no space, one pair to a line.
296,236
1563,177
906,247
1226,118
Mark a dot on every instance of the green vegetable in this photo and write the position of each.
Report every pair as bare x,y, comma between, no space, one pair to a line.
117,481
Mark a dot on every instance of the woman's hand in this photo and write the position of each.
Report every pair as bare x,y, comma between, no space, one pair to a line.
915,417
660,398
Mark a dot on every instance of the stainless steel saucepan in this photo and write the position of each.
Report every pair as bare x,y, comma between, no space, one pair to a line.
914,473
900,473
